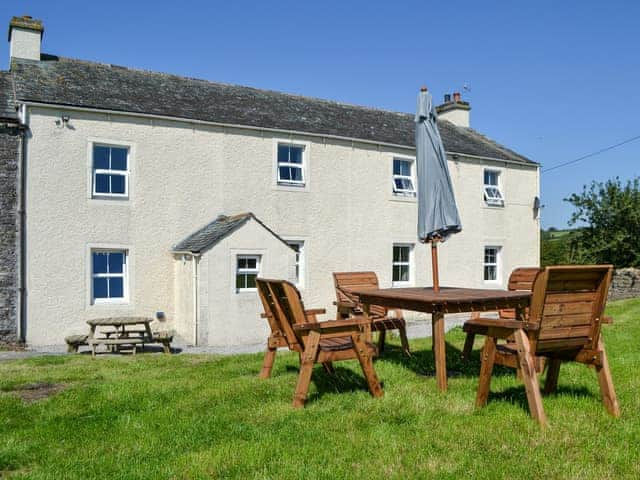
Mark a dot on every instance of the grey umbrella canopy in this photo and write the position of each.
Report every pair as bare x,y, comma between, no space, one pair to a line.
438,216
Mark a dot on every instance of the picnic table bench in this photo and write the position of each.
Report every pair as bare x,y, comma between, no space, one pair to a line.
125,333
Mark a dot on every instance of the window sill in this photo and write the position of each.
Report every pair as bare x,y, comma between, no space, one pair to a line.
492,207
110,303
395,197
401,284
246,290
291,187
110,198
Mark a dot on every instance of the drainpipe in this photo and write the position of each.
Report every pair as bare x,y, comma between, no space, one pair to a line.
196,259
22,213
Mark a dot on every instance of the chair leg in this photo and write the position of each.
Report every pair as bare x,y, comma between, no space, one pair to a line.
382,336
607,390
328,367
468,345
306,367
486,369
526,365
404,340
367,365
553,370
267,364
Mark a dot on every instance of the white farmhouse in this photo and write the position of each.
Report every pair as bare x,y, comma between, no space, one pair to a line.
127,192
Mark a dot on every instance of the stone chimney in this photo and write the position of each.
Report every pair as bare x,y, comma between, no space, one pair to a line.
456,111
25,37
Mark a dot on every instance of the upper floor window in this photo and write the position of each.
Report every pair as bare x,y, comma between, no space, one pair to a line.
401,274
298,246
492,192
291,164
108,275
247,270
110,171
492,264
403,177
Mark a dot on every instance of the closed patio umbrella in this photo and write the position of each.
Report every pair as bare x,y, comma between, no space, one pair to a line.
438,216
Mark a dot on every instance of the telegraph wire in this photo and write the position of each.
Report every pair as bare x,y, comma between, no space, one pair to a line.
592,154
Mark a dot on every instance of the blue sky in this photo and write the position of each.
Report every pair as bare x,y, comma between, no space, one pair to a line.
552,80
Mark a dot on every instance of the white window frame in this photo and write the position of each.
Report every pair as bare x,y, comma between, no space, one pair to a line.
124,275
108,171
492,194
497,264
245,271
409,263
300,261
302,166
412,177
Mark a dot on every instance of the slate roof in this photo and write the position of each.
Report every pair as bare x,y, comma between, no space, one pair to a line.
206,237
7,106
62,81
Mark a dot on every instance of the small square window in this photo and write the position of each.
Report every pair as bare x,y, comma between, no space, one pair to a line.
291,164
403,178
492,192
108,275
110,171
247,270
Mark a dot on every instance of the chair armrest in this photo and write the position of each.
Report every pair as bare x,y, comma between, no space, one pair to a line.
308,313
327,326
606,319
499,323
345,304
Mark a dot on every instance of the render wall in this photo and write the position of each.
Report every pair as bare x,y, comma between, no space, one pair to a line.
183,176
10,144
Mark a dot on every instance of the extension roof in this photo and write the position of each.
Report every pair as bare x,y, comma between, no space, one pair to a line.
213,232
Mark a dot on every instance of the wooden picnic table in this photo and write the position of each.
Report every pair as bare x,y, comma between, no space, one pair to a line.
123,334
447,300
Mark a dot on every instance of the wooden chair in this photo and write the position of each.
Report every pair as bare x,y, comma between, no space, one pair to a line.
564,321
278,337
521,279
320,342
348,304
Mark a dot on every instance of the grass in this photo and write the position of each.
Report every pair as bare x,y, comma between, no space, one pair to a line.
198,416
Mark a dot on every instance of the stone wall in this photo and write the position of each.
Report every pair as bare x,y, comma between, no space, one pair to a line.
625,284
9,157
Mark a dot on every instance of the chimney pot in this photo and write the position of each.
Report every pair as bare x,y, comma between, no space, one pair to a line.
456,112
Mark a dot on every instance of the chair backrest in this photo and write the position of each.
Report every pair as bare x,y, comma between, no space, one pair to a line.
283,307
345,282
567,304
521,279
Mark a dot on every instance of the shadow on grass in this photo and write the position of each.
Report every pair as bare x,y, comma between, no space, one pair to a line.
422,362
517,395
344,380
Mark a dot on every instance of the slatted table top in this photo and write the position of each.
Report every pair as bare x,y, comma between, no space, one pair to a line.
119,321
424,299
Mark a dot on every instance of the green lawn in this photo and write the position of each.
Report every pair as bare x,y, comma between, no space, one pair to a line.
189,416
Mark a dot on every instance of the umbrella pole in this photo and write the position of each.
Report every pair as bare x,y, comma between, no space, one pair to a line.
434,265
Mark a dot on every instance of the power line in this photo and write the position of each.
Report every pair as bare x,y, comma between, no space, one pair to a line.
593,154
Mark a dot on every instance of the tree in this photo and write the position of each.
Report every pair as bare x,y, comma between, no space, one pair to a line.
610,212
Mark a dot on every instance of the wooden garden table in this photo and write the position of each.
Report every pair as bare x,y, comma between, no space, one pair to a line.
447,300
121,336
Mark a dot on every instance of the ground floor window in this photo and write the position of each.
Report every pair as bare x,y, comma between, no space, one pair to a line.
108,275
402,259
247,270
298,246
491,263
